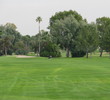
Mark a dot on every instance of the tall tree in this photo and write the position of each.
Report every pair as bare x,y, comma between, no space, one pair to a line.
48,48
9,36
26,40
6,42
106,37
34,43
63,27
62,15
11,26
103,24
87,40
39,19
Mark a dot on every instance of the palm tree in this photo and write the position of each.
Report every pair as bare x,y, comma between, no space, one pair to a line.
39,19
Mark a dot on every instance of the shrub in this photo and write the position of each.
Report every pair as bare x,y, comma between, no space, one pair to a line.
76,53
50,49
21,52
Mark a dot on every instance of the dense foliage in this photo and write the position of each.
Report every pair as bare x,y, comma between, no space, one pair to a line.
68,31
74,33
50,50
103,25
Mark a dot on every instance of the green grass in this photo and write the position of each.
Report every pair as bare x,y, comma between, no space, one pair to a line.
54,79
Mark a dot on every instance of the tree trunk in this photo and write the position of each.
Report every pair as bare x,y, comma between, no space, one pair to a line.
5,51
39,27
101,53
67,52
40,39
87,54
39,48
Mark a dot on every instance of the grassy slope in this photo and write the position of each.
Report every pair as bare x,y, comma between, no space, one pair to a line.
54,79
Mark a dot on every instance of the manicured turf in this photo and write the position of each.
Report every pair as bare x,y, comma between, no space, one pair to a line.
54,79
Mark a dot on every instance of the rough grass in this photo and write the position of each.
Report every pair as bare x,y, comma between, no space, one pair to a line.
54,79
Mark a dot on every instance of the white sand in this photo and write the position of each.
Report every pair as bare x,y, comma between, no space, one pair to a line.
23,56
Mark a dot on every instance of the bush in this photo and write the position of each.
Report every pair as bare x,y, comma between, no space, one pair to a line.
1,54
76,53
21,52
9,52
50,49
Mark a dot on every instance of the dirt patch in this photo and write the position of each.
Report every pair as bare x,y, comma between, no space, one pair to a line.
23,56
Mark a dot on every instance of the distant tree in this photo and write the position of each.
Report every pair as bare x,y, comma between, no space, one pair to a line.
75,50
48,48
45,36
34,41
26,40
39,19
1,30
20,48
87,40
8,37
11,29
1,47
103,25
10,40
34,44
1,40
106,40
62,15
6,43
11,26
5,40
63,27
64,32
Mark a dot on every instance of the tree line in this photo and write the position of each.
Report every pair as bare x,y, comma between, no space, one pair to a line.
67,31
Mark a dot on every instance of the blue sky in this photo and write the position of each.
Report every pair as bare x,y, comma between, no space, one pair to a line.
24,12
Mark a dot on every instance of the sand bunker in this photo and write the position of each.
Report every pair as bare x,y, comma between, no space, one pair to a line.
23,56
